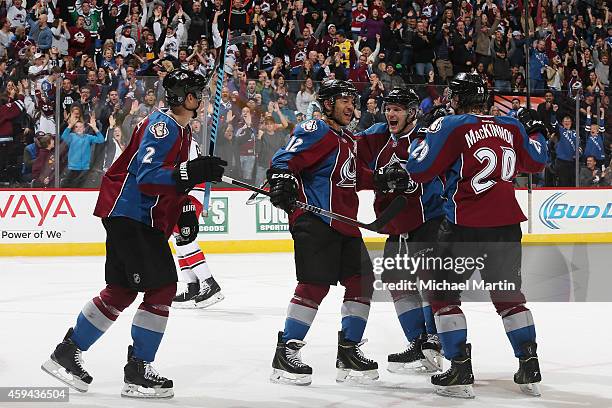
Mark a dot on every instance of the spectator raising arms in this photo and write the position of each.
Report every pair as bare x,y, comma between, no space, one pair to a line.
79,150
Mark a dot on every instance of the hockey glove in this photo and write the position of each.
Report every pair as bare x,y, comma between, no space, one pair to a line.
391,178
198,170
430,117
283,189
531,122
187,225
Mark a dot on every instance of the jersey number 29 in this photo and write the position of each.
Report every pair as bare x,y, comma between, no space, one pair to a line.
489,158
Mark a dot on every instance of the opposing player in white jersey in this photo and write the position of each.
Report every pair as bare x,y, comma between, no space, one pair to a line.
202,290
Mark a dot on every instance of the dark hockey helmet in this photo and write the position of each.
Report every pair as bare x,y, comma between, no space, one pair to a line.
470,88
333,88
402,96
180,82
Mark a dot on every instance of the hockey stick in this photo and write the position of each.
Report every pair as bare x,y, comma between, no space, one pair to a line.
255,197
396,206
217,104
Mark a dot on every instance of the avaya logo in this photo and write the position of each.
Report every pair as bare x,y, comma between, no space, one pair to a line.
33,206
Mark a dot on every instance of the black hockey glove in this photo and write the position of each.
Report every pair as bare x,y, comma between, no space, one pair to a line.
391,178
430,117
283,188
198,170
187,225
532,123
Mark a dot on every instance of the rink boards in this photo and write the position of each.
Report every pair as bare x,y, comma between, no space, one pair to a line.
60,222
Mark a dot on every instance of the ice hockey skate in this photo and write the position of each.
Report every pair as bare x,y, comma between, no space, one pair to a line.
421,356
210,293
184,299
287,365
353,367
528,375
458,380
432,351
143,381
66,364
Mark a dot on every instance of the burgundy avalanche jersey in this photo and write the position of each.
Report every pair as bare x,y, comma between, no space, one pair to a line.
139,184
378,148
324,161
480,155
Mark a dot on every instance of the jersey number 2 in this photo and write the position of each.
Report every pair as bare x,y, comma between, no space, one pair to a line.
488,156
148,155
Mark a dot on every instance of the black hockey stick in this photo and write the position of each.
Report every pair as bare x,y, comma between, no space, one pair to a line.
255,197
396,206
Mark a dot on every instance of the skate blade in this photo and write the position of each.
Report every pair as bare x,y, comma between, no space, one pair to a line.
190,304
433,360
137,391
354,377
455,391
532,389
284,377
416,367
57,371
216,298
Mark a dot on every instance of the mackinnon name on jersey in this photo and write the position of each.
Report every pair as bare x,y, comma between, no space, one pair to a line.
435,285
488,130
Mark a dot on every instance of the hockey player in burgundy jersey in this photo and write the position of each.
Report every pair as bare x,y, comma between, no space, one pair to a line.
384,147
318,166
202,290
142,197
479,156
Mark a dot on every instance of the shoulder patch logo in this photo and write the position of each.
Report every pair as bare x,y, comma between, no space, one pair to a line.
159,130
435,126
310,125
420,151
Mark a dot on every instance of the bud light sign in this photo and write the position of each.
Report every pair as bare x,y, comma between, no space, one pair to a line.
569,211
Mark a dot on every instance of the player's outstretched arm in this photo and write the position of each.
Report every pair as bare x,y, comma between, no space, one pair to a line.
198,170
433,154
532,149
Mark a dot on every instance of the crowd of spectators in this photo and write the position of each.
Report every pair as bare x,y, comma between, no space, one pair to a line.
96,67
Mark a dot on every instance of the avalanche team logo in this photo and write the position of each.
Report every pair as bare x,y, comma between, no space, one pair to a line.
309,125
435,126
159,130
348,172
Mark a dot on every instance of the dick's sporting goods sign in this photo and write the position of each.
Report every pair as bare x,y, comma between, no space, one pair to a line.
217,221
270,218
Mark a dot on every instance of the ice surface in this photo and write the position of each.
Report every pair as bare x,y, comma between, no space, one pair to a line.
220,357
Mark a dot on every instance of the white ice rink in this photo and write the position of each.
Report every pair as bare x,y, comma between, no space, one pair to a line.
220,357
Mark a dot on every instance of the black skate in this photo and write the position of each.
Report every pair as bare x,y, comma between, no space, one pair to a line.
528,375
457,381
352,365
66,364
210,293
287,364
413,358
143,381
184,300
